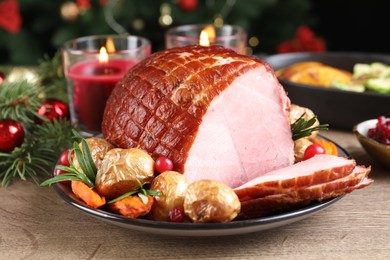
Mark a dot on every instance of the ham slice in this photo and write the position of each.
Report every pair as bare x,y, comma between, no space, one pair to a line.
293,198
316,170
216,114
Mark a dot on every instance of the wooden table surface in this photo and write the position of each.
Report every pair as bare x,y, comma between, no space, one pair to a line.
36,224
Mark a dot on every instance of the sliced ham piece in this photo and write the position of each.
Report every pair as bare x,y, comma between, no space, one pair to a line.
316,170
217,114
293,198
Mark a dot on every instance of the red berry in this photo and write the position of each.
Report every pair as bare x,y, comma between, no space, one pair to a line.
163,164
312,150
176,215
64,159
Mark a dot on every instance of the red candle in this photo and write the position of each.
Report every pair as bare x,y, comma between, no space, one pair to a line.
93,82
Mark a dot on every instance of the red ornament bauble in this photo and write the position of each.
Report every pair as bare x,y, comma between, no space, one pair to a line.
2,77
11,135
188,5
54,109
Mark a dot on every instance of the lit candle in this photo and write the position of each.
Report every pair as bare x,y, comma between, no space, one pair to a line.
230,36
91,80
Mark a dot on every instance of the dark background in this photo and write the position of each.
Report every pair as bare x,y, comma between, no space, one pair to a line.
362,26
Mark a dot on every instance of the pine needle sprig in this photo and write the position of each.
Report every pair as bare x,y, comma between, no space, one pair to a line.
25,161
52,78
302,127
56,133
20,101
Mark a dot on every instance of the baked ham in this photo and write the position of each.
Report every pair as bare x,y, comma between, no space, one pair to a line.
216,114
223,116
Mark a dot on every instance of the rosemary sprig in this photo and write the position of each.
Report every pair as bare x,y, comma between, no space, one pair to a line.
141,192
84,158
302,127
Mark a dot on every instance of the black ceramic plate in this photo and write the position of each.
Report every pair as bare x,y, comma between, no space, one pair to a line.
192,229
341,109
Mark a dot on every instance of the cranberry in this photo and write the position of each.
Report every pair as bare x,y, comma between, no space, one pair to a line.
177,215
312,150
64,159
380,133
163,164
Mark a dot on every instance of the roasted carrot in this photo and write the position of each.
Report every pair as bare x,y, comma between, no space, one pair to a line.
87,194
330,147
132,206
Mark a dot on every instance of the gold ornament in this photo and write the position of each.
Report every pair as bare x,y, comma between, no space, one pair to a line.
253,41
218,20
165,18
30,74
69,11
138,24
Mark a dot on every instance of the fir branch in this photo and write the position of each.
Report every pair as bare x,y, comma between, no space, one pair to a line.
302,127
52,78
20,101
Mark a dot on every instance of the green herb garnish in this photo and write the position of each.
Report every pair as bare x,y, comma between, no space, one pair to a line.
302,127
87,165
141,192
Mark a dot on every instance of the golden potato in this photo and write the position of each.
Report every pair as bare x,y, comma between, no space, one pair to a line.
120,170
172,186
211,201
98,147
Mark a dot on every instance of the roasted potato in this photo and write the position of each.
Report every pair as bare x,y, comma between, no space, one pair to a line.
172,186
120,170
211,201
98,147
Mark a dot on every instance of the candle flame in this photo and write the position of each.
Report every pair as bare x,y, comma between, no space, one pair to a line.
103,56
109,48
207,35
110,45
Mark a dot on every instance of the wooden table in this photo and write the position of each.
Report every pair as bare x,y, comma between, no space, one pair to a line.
36,224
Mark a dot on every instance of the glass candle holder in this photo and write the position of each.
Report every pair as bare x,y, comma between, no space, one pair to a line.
93,65
230,36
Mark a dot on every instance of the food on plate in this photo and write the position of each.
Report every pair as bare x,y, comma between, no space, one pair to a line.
314,73
132,206
277,203
98,148
228,128
210,201
320,177
172,186
87,194
121,171
364,77
381,132
329,147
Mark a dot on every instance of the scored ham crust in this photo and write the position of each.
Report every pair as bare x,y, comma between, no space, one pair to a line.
216,114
